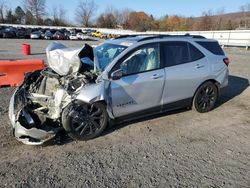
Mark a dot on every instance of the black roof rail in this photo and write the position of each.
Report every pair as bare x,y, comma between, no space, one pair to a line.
195,36
155,36
135,35
199,37
125,36
164,36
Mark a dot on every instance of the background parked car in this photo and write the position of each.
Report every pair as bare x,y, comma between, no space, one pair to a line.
66,35
80,36
48,35
42,32
9,33
84,31
23,33
97,34
58,36
35,35
1,32
90,31
106,36
73,36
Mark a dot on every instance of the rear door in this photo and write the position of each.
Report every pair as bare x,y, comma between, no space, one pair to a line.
141,85
185,69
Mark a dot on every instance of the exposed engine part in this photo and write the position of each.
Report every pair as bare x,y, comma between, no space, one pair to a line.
39,102
52,93
36,107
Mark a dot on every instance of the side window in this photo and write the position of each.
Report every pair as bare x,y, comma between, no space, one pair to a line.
177,53
195,54
145,58
213,47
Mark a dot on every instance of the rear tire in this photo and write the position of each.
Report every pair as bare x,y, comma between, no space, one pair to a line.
84,121
205,97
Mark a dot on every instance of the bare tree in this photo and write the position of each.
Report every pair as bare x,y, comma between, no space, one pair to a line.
10,17
36,7
248,13
218,18
248,6
243,11
2,10
85,12
58,15
107,20
206,22
29,18
122,16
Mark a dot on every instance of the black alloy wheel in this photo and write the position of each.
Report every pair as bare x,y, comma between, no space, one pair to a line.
205,97
84,121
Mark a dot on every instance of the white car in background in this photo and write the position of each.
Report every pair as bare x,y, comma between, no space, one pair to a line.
73,36
81,36
35,35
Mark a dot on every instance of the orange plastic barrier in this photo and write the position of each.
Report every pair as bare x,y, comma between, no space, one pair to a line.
12,72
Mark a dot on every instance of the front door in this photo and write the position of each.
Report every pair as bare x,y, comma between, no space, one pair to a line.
141,85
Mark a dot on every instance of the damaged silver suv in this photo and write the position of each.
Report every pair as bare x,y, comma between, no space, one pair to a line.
82,90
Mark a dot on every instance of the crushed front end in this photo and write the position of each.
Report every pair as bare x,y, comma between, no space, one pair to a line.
36,106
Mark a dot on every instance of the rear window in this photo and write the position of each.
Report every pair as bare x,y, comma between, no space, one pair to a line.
177,53
213,47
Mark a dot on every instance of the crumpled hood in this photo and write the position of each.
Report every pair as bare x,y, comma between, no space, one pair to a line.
64,60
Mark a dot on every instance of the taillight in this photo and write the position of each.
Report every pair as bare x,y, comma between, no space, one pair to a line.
226,61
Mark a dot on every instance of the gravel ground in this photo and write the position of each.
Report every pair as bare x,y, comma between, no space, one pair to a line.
179,149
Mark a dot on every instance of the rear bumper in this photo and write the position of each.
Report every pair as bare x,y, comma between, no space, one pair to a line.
222,81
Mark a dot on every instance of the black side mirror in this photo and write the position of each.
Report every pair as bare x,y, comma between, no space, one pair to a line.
116,75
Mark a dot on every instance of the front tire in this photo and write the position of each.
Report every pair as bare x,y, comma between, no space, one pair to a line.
205,97
84,121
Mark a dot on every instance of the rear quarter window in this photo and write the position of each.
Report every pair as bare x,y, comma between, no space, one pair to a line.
213,47
195,54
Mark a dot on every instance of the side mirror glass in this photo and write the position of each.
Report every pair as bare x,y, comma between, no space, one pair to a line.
116,75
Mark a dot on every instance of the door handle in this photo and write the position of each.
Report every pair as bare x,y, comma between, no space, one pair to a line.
157,76
198,66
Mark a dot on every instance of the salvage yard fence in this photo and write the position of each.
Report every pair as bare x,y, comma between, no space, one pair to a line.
237,38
